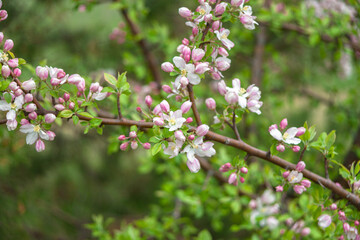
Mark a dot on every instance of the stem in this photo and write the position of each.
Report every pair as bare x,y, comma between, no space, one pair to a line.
119,106
326,163
193,106
302,153
235,127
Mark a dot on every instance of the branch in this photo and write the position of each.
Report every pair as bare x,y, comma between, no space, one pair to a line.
119,106
193,105
234,127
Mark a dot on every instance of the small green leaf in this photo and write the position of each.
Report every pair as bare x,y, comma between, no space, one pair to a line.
204,235
95,122
22,61
155,148
110,79
154,139
330,139
7,97
86,114
65,114
121,81
75,119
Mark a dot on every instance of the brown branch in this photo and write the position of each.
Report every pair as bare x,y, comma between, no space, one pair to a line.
119,106
352,198
3,121
193,105
144,46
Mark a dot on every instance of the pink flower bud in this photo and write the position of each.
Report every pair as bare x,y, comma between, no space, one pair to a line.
301,131
30,108
283,124
121,137
94,87
222,87
164,105
24,121
60,74
51,135
132,134
195,32
13,86
197,54
305,231
252,204
220,8
286,174
184,81
3,15
50,118
33,115
55,81
208,18
66,97
236,3
71,105
185,41
346,227
223,52
28,98
9,44
61,100
185,12
201,68
226,167
179,135
29,85
13,62
306,183
342,216
5,71
296,148
123,146
17,72
42,72
186,106
356,223
242,180
148,100
81,86
134,145
210,103
178,98
215,26
202,130
244,170
274,126
59,107
146,146
157,110
158,121
233,179
1,36
18,92
279,188
166,88
299,189
189,120
40,145
231,97
191,137
280,148
333,206
75,79
300,166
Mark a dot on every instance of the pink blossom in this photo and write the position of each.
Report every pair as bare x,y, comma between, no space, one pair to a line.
164,105
301,131
124,146
233,179
220,8
296,148
59,107
194,166
158,121
5,71
32,115
280,148
223,63
185,12
244,170
167,89
283,124
30,107
222,35
226,167
197,54
51,135
40,145
13,62
148,100
210,103
8,45
202,130
324,221
134,145
179,135
28,98
186,106
306,183
174,120
146,146
299,189
167,67
300,166
279,188
17,72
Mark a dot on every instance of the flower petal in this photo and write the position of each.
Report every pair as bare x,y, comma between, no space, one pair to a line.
31,138
4,106
179,62
194,79
276,134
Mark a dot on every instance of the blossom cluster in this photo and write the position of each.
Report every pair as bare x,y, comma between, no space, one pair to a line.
295,178
133,141
237,175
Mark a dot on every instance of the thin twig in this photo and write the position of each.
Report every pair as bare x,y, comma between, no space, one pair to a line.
119,106
193,106
326,164
234,127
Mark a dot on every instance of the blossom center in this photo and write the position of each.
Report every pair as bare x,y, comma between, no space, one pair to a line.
285,136
172,121
242,90
37,128
4,57
13,106
183,72
223,36
202,11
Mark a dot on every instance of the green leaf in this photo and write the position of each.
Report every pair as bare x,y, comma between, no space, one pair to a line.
75,119
22,61
133,128
86,114
330,139
4,85
95,122
7,97
155,148
154,139
122,81
110,79
204,235
65,114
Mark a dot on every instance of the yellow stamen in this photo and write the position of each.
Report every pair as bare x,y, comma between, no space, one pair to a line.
202,11
13,106
172,121
37,128
242,90
183,72
285,136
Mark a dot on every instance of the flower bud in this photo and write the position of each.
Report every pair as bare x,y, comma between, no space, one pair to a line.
18,92
32,115
280,148
148,100
24,121
300,166
60,74
81,86
132,134
157,110
164,105
186,106
215,26
236,3
333,206
94,87
283,124
30,107
13,86
1,36
301,131
191,137
75,79
59,107
279,188
210,103
305,231
55,81
274,126
356,223
306,183
184,82
299,189
3,15
29,85
342,216
233,179
244,170
202,130
324,221
51,135
28,98
9,44
146,146
66,97
42,72
346,227
158,121
50,118
201,67
185,41
61,100
40,145
197,54
296,148
17,72
226,167
220,8
252,204
179,135
222,87
13,62
286,174
166,88
5,71
242,180
231,97
223,52
185,12
121,137
208,18
123,146
134,145
71,105
189,120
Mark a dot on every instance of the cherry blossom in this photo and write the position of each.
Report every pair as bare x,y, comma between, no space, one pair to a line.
33,133
12,109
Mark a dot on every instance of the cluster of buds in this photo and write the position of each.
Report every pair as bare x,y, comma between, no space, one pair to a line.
133,140
295,178
237,175
238,96
118,34
287,139
297,227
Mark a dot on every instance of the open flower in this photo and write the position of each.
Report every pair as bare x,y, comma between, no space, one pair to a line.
33,133
295,177
204,10
324,221
12,109
186,70
173,149
174,120
288,137
222,35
